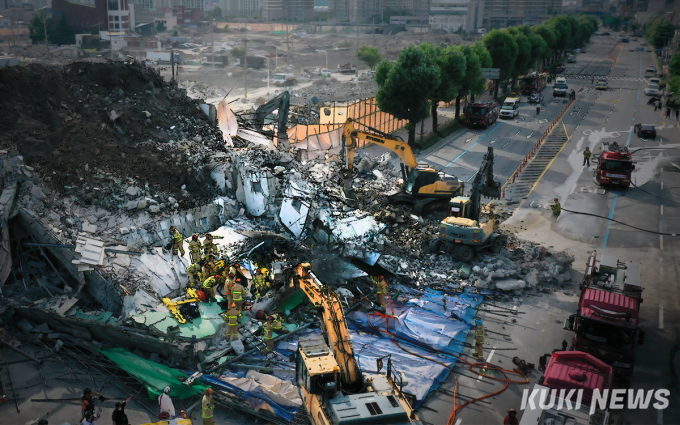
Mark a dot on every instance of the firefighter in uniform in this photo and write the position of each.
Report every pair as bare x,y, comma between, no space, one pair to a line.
229,276
233,318
209,286
209,267
269,334
260,282
208,246
479,340
207,408
277,324
195,249
556,207
237,294
195,274
177,240
381,290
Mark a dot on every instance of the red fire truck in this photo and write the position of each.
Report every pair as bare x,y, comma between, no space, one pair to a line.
483,114
570,370
607,322
533,82
614,166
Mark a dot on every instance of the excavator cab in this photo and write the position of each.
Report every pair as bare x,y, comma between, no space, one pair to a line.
459,207
424,180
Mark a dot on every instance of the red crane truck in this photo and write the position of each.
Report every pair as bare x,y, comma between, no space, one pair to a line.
614,166
570,370
607,322
533,83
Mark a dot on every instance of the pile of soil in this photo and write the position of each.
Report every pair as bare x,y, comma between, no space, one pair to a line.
92,128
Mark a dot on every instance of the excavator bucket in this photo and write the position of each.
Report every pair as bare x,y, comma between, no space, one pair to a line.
492,191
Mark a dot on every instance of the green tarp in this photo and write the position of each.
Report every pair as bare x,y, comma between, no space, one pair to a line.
292,300
155,376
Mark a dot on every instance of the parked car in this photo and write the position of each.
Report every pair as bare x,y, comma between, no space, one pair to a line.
645,131
326,72
655,81
602,85
634,39
572,59
652,89
535,98
560,88
513,95
624,40
510,108
577,50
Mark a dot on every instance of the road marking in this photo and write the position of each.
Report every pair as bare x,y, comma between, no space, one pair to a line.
661,242
518,131
662,209
660,317
467,140
662,183
506,144
494,140
458,422
493,350
638,95
609,225
474,144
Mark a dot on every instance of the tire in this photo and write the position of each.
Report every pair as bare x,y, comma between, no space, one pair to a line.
465,253
497,245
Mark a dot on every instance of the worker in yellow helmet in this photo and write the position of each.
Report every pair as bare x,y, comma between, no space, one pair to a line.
381,290
195,249
233,318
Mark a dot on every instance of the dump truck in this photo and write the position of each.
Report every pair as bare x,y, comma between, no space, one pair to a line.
333,388
161,57
347,68
570,370
607,323
614,166
469,227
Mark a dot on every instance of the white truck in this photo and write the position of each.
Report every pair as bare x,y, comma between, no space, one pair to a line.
286,80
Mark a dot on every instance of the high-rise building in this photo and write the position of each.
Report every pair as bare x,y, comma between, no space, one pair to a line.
453,15
244,8
506,13
368,10
293,10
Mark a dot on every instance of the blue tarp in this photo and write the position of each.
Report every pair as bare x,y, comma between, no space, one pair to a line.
255,398
459,306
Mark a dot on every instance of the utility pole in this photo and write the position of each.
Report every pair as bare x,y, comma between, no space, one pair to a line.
357,52
47,45
245,66
212,46
287,41
172,65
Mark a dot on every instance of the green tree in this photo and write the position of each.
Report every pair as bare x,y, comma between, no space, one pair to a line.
658,32
62,34
388,12
37,27
674,65
523,60
160,27
237,52
472,82
549,34
369,55
539,47
216,12
406,85
503,50
451,63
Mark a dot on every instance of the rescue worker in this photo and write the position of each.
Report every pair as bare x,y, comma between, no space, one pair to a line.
229,276
538,109
195,249
209,286
87,405
277,323
479,339
586,156
260,282
208,407
237,294
233,318
177,240
209,267
381,290
166,408
195,274
208,246
556,207
269,334
511,419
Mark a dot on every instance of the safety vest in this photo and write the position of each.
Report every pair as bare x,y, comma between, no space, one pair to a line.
479,334
277,324
194,269
209,282
231,318
209,268
208,407
259,280
177,236
382,287
209,247
236,292
195,247
268,331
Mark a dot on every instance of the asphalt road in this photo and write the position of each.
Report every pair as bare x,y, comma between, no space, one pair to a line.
596,116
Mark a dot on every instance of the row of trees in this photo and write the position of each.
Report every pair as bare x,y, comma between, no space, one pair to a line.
658,32
411,87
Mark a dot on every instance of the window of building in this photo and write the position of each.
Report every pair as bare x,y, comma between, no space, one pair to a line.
124,18
125,25
117,26
116,18
111,26
110,18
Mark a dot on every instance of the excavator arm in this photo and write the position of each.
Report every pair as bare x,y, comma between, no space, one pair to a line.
333,322
483,184
280,102
349,146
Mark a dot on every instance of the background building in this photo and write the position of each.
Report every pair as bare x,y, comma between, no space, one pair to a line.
506,13
453,15
243,8
292,10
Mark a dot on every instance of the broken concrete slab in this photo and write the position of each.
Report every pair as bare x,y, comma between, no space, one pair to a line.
510,284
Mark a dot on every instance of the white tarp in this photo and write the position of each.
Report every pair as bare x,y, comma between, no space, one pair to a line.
141,301
162,272
226,121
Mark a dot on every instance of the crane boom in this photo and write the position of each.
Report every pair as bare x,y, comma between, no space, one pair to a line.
483,184
333,322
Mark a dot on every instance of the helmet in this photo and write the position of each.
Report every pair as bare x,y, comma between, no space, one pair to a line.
232,305
265,270
194,237
556,200
217,276
209,391
208,236
166,390
512,412
478,322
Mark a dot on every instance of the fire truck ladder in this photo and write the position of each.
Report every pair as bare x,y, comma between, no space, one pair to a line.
528,177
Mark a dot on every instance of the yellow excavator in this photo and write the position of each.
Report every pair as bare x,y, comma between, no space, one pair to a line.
423,184
333,388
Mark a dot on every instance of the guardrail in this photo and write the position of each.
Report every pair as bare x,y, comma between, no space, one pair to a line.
536,147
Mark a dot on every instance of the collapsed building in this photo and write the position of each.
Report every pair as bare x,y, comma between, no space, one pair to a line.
99,160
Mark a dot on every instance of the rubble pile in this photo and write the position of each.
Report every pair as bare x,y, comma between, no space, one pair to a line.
92,129
329,90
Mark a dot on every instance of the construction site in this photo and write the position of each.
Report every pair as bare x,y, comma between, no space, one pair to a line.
189,230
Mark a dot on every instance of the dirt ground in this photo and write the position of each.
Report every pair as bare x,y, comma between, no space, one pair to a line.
60,120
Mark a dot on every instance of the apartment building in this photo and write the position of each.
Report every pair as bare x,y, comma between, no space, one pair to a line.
453,15
367,10
243,8
506,13
292,10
